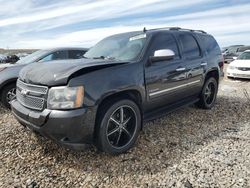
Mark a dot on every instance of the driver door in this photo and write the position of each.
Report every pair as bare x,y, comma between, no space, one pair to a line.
165,79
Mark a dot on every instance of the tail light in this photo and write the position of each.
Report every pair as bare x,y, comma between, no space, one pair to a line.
221,64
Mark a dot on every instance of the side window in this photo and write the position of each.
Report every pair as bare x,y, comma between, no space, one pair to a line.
58,55
190,46
46,58
210,45
76,54
164,41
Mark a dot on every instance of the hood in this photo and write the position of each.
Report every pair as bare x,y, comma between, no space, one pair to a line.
240,63
6,65
55,73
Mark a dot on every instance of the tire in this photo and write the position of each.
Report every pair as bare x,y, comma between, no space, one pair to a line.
8,94
116,134
209,94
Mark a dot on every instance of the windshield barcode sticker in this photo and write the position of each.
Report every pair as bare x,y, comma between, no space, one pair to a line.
137,37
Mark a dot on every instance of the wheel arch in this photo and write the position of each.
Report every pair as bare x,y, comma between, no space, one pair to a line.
6,83
131,94
213,73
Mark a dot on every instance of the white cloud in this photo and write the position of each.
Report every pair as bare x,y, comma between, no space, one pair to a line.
223,22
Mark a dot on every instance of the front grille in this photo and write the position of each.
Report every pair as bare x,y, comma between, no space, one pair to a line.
244,68
31,96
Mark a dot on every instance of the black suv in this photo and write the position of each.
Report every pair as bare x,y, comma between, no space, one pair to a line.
123,80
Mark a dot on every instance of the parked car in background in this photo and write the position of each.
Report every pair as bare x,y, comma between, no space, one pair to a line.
123,80
22,55
230,52
240,68
12,59
9,72
241,50
3,57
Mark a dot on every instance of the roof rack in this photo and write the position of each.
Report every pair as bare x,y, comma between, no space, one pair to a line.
175,28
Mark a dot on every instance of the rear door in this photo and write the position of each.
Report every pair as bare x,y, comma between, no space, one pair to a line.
164,79
194,61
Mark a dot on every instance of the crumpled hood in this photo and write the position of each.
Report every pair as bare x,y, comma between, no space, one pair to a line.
58,72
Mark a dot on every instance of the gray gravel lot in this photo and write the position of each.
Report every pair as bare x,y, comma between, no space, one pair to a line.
187,148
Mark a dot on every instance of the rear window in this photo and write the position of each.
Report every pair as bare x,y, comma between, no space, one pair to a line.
210,44
190,46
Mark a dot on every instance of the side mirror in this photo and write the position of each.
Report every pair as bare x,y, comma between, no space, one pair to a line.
162,55
234,58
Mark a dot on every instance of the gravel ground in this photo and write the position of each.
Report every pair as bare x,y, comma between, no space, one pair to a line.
187,148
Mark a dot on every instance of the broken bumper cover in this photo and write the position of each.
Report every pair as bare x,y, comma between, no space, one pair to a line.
72,128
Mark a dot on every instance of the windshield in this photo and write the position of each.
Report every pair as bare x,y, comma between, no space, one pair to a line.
123,47
244,56
32,57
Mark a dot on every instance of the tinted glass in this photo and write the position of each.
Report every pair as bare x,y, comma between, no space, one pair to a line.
210,44
76,54
32,57
58,55
164,41
190,46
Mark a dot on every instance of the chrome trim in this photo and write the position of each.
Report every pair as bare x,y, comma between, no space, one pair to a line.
21,83
29,106
174,88
181,69
204,64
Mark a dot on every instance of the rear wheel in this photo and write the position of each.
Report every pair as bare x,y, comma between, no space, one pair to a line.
118,127
208,94
8,94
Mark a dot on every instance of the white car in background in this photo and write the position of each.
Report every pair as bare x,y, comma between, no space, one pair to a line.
240,67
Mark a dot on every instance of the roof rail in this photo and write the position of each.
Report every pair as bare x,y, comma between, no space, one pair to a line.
175,28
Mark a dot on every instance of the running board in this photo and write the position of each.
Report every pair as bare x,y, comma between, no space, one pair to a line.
166,110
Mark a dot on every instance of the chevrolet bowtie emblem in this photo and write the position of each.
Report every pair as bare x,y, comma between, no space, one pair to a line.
24,92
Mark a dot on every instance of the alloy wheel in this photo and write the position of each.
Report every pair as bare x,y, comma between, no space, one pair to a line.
121,126
210,93
11,95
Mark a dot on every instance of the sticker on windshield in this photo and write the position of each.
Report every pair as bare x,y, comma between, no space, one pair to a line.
137,37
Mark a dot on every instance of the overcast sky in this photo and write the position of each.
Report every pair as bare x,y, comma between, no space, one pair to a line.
51,23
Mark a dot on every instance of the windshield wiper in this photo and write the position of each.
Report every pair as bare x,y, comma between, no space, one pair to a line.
103,57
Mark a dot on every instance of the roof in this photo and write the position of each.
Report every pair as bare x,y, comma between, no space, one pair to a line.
66,48
173,29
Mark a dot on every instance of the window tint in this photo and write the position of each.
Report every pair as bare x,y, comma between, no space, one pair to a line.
190,46
58,55
164,41
76,54
210,44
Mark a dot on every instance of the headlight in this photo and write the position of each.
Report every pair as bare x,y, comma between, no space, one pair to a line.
65,97
232,67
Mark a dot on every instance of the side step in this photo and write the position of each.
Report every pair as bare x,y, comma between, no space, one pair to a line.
168,109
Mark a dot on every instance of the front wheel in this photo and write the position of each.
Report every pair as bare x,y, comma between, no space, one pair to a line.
118,127
208,94
8,94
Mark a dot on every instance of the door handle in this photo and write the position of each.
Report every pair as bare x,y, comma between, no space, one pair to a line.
180,69
204,64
